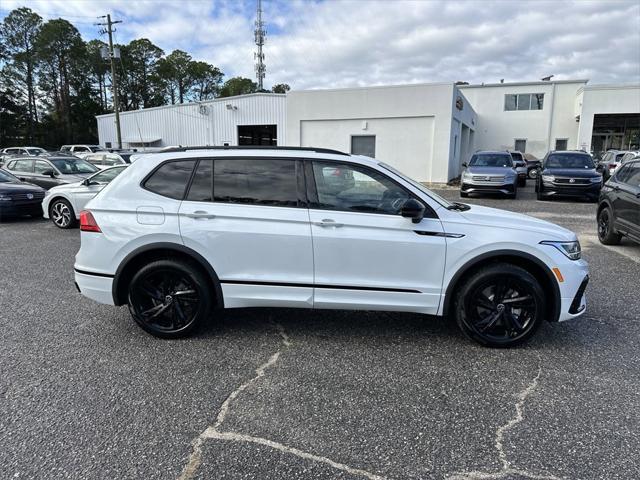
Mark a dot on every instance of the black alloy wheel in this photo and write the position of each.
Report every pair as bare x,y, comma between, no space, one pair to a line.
500,306
169,299
606,233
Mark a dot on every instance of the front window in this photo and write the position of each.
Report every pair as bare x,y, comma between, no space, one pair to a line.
569,160
355,189
41,166
491,160
106,176
71,166
6,177
442,201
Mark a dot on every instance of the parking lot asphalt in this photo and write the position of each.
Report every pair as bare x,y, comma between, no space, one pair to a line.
280,394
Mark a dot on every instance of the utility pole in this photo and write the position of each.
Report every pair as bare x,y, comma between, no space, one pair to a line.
114,80
260,34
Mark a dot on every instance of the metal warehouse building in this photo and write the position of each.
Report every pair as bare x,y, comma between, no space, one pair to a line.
425,130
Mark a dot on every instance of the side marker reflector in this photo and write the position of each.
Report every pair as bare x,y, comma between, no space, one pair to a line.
559,276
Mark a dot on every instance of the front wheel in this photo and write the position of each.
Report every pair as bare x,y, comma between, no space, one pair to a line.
62,214
606,233
501,305
464,194
170,298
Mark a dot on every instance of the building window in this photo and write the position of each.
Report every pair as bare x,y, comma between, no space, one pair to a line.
561,143
258,135
363,145
524,101
520,145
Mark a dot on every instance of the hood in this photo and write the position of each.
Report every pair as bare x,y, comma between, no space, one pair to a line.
490,170
495,217
75,177
64,187
571,172
19,187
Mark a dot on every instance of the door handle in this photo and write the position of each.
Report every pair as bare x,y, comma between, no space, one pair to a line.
199,214
327,222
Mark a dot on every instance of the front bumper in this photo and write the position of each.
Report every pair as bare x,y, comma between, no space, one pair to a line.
17,209
97,287
475,187
553,189
573,302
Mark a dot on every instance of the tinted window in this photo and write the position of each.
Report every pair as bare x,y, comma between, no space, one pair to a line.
354,189
633,178
170,180
256,182
22,166
491,160
622,174
41,166
202,184
569,160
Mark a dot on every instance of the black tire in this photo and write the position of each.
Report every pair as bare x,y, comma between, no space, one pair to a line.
170,298
464,194
61,214
606,232
514,194
539,194
522,182
501,305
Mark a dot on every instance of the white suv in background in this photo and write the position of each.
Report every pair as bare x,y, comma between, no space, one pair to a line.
82,150
186,232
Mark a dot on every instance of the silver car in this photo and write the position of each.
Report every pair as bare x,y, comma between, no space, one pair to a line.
521,167
489,172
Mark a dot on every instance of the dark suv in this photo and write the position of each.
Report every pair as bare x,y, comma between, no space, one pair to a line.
568,174
619,206
51,171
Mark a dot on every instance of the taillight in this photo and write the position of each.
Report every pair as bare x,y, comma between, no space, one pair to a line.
612,165
88,223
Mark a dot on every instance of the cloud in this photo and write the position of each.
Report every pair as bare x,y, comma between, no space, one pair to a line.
335,43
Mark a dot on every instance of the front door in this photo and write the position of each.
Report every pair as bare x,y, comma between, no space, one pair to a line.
627,199
366,255
248,218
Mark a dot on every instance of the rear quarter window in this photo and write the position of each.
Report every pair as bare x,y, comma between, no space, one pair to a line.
170,179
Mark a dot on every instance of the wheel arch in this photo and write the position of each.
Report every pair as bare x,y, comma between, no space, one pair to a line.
154,251
61,196
533,265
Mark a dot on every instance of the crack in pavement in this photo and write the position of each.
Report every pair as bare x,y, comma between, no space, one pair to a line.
213,432
507,469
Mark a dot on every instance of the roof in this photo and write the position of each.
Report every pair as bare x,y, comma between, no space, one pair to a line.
254,147
517,84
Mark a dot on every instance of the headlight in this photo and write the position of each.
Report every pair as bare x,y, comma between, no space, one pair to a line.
596,180
548,178
4,198
466,174
571,250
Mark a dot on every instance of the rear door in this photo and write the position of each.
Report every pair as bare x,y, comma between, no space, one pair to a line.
249,219
366,255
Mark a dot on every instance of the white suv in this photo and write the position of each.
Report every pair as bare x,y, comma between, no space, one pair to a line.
185,232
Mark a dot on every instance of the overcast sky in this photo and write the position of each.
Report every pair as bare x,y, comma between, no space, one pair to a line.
336,43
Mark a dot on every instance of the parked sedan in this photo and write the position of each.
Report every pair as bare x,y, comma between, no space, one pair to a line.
619,205
64,203
51,171
18,198
8,153
489,172
568,174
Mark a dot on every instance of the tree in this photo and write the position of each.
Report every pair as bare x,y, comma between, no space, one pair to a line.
18,35
280,88
238,86
206,80
140,62
174,69
98,70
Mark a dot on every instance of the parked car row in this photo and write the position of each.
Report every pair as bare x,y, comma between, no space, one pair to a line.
81,151
613,159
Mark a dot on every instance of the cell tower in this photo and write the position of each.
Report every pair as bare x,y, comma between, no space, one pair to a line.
260,34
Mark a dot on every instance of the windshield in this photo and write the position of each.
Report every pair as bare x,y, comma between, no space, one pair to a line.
73,165
105,176
35,151
445,203
491,160
516,155
96,148
6,177
569,160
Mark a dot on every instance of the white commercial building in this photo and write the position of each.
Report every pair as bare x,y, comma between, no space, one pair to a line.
425,130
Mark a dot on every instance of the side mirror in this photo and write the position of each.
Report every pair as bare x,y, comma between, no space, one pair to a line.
86,182
413,209
465,164
49,172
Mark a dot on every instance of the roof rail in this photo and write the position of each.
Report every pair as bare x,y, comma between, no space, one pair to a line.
253,147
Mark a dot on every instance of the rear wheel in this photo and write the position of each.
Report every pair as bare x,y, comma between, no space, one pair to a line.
533,173
170,298
62,214
500,305
606,233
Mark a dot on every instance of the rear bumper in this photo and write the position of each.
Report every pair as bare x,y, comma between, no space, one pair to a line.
487,188
96,286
